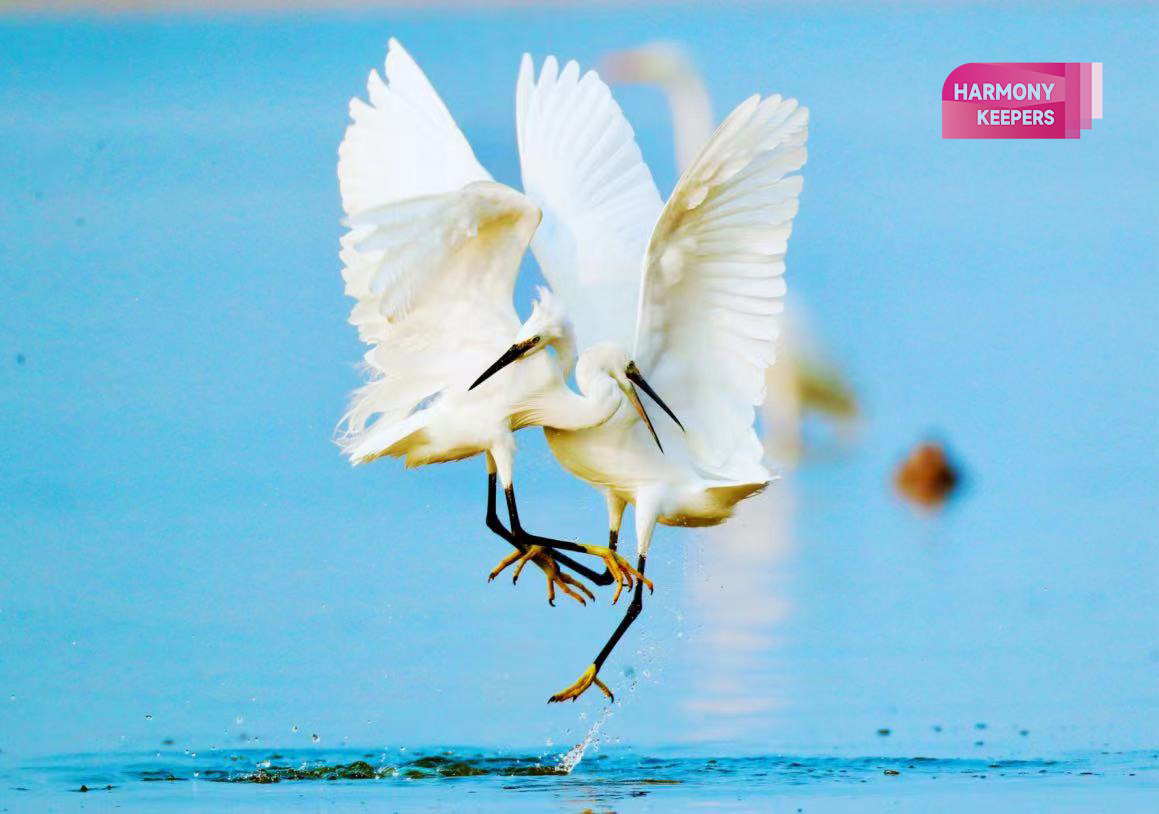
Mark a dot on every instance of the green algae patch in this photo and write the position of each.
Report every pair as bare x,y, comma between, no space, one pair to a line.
358,770
423,768
439,766
444,767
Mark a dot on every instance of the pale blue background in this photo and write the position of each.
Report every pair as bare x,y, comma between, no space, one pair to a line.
179,538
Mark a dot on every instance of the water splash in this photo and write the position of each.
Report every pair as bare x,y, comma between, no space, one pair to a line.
571,759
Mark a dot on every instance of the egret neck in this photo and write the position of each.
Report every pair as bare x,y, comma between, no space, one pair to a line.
560,408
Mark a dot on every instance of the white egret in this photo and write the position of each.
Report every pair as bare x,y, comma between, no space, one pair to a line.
701,274
431,258
804,378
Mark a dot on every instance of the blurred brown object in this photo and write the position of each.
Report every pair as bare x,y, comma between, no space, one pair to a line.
927,476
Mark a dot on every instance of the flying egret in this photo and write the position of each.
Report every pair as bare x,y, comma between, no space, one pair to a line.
701,275
804,379
431,258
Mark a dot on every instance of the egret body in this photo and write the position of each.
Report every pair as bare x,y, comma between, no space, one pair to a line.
699,279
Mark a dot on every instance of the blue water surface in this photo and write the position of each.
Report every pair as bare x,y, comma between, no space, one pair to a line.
184,555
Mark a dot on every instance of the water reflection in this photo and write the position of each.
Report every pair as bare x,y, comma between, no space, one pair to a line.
739,589
738,595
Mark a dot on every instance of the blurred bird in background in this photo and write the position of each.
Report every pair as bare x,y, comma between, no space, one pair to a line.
928,476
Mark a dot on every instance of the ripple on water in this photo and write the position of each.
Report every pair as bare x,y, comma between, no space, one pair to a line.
612,774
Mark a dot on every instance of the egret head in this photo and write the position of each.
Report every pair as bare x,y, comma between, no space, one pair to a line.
548,326
611,359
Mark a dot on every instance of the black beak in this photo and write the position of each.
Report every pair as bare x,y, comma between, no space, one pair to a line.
634,397
633,374
510,355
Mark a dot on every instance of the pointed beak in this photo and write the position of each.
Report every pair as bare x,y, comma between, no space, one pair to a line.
633,374
634,397
513,353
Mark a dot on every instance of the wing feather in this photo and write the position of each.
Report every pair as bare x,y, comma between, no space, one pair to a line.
581,165
430,256
404,143
712,288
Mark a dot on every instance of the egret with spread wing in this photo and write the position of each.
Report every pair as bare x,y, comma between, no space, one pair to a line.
804,380
431,258
698,279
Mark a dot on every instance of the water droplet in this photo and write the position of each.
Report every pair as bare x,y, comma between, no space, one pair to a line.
549,742
647,674
239,720
148,717
315,738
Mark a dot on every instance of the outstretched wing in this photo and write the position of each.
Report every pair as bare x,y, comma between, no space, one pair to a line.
583,169
431,254
713,287
402,142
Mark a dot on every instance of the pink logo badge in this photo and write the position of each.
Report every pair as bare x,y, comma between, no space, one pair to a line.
1022,99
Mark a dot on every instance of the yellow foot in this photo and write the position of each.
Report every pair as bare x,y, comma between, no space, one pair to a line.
546,562
622,572
577,689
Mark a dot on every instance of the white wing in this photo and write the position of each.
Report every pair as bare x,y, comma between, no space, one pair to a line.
431,255
582,167
403,143
713,287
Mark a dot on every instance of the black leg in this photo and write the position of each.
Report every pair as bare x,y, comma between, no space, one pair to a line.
493,521
521,539
625,623
591,675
